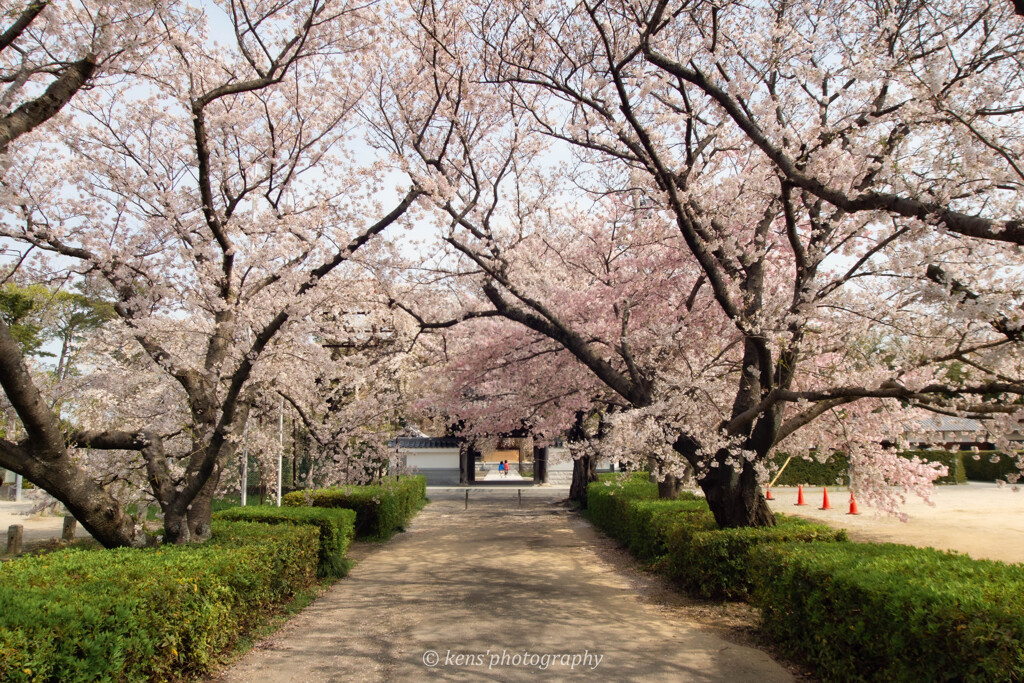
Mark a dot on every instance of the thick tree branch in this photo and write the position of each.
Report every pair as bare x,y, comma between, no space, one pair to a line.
37,111
442,324
971,226
26,17
42,426
637,395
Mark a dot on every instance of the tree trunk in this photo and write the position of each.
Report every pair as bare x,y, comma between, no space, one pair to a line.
669,487
201,510
189,522
540,465
471,453
464,464
584,471
99,513
44,458
176,529
735,497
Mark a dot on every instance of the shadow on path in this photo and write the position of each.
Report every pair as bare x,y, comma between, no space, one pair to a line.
501,586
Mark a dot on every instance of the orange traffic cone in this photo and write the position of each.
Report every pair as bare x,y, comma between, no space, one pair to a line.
824,501
800,495
853,506
768,495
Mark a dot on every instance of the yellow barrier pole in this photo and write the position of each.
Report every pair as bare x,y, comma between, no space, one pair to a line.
779,473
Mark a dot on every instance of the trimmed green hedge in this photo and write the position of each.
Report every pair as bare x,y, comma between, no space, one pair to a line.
715,563
381,510
681,538
153,614
802,471
336,527
628,510
853,611
869,611
953,461
983,469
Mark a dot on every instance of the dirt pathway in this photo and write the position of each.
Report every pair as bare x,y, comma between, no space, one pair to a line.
36,529
499,593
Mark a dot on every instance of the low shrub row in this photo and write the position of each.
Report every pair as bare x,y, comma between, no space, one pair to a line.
809,471
336,527
714,563
853,611
953,460
887,612
680,537
381,510
146,614
989,465
835,470
627,509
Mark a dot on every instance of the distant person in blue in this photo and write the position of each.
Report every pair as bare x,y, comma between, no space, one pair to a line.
501,468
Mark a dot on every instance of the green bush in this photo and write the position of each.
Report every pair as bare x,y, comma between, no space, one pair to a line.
381,510
153,614
803,471
954,463
336,527
979,466
835,471
681,538
860,611
627,508
714,563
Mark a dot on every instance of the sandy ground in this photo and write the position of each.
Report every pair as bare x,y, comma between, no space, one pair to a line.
37,528
484,594
979,519
495,475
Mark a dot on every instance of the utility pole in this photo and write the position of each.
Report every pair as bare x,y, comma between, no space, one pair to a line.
280,450
245,462
17,477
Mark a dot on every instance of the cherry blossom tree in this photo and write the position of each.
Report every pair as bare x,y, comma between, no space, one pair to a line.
836,318
49,52
326,391
358,364
905,108
215,192
497,377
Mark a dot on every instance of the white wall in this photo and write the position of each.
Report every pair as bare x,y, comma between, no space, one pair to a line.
559,460
431,458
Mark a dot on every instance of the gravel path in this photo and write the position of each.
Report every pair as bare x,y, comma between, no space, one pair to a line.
497,592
